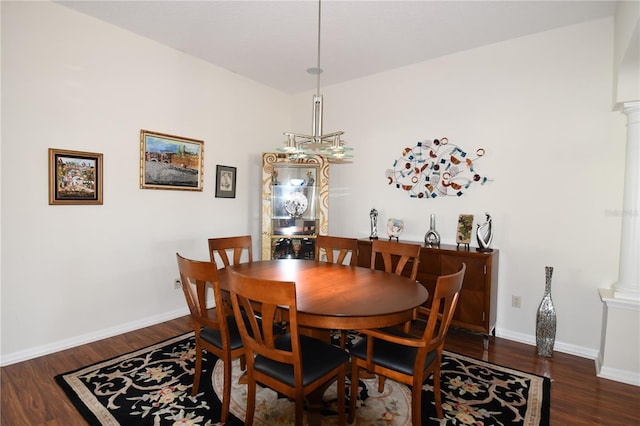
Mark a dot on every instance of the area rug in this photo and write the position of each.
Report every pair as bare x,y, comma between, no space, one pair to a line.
152,386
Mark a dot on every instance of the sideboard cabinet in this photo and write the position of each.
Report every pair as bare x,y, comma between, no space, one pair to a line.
476,310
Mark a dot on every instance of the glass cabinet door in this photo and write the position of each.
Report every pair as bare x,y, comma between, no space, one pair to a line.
295,205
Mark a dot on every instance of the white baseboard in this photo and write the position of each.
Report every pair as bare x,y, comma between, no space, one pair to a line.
558,346
623,376
50,348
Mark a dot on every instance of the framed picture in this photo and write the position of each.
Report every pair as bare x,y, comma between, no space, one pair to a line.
170,162
75,177
465,229
225,182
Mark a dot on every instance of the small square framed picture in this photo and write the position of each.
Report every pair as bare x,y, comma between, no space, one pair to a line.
225,182
75,177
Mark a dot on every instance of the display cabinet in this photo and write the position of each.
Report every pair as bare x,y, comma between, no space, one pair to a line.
295,205
476,309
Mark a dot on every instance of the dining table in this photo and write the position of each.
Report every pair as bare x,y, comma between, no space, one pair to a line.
339,297
332,296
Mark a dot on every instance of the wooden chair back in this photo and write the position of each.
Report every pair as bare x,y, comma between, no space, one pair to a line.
230,249
264,299
406,254
214,329
336,249
195,277
443,306
276,360
407,358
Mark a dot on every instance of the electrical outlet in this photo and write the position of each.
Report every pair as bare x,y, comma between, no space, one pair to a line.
516,301
177,284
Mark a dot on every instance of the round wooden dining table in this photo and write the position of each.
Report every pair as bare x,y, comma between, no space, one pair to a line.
340,297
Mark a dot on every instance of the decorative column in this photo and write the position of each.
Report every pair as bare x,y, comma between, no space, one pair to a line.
628,285
619,357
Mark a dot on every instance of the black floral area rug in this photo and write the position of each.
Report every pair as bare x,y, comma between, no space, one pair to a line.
152,386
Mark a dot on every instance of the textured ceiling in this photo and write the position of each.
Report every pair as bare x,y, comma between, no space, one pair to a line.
275,42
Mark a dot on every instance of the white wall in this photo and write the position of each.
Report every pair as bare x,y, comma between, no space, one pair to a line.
541,108
75,273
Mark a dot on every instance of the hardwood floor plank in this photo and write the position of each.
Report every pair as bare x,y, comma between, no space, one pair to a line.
30,395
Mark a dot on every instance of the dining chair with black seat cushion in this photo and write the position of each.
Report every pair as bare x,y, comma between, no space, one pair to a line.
406,258
407,254
409,358
292,364
230,250
223,247
215,329
336,249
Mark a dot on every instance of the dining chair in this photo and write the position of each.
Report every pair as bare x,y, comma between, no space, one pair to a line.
229,251
214,329
406,258
409,358
292,364
224,247
406,254
336,249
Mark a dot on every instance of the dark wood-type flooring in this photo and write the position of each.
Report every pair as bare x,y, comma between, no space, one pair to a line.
30,396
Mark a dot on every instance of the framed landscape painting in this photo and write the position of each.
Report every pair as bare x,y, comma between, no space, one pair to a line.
225,182
75,177
170,162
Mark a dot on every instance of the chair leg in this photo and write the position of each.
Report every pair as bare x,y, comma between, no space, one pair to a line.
251,399
198,370
353,396
299,410
341,383
226,388
381,382
436,392
416,402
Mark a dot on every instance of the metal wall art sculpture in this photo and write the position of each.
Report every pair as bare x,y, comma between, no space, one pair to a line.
435,168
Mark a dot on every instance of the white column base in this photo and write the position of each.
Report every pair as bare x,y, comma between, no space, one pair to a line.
619,357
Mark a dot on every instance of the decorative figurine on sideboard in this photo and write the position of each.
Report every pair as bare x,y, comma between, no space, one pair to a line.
373,215
432,237
395,228
484,234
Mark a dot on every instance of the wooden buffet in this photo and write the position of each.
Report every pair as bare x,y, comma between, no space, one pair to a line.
476,310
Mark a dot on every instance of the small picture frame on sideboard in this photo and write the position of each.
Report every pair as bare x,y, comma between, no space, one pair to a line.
464,231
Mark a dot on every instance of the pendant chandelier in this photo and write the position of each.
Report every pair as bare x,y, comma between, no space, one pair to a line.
331,145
